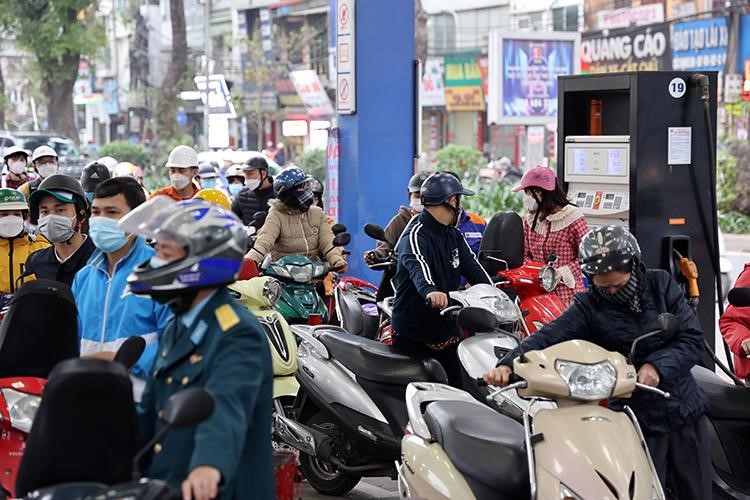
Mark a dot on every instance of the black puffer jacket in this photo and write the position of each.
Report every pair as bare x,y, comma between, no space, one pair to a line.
248,202
614,328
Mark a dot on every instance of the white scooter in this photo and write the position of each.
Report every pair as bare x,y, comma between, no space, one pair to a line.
458,448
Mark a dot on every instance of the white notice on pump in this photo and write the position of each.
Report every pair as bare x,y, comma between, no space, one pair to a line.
678,149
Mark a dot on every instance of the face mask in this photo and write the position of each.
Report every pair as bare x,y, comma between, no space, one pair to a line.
179,181
17,167
234,189
416,204
57,228
10,226
304,199
46,169
157,262
252,184
208,183
90,197
105,234
456,212
529,203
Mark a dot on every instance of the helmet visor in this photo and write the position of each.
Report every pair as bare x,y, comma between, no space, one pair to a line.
148,219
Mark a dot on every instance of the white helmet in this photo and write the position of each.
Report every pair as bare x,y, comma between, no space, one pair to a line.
43,151
182,157
235,171
14,150
108,162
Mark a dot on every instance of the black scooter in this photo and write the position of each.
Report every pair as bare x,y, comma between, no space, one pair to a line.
729,416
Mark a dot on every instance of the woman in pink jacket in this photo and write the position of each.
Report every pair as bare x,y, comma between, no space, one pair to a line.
735,327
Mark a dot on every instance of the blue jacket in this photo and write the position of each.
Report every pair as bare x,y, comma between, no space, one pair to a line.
614,328
108,312
432,257
472,226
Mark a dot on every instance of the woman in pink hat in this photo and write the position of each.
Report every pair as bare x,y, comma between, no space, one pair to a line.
553,223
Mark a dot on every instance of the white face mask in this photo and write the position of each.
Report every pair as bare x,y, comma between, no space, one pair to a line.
10,226
17,167
57,228
529,203
179,181
46,169
416,204
253,184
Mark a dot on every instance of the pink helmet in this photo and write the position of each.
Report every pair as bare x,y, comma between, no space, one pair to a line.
538,177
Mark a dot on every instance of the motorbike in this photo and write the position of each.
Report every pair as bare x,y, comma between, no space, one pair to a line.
84,447
458,448
501,252
349,414
729,417
354,305
259,295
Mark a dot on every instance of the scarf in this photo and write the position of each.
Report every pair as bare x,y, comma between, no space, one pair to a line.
628,296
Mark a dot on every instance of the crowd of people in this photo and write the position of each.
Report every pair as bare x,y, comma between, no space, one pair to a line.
156,265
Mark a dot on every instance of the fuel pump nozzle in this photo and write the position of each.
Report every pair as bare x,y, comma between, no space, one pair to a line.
690,272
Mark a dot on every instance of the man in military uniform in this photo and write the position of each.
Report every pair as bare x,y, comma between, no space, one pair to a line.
212,342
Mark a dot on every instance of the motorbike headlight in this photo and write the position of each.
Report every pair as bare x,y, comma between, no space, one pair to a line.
301,274
281,271
568,494
548,278
318,269
504,310
588,382
271,291
22,408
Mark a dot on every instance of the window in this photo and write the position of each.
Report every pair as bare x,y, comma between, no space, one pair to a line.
565,18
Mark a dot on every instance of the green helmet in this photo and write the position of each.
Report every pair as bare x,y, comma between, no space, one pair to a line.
12,199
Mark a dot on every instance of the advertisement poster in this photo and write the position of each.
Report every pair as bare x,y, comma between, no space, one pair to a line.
432,90
332,175
700,45
463,84
643,49
312,93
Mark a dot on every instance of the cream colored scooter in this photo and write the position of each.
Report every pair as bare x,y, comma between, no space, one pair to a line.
459,448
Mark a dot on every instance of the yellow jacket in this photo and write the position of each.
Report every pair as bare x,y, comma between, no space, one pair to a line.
13,255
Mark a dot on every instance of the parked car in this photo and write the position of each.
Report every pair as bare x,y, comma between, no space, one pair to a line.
71,160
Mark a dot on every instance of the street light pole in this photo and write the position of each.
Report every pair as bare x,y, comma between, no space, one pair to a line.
206,48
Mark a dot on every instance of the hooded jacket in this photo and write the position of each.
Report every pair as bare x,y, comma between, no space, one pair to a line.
288,231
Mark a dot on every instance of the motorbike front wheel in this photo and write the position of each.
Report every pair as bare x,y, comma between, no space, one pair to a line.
325,477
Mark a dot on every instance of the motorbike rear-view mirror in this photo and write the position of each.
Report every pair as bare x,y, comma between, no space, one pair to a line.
338,228
667,324
130,351
375,232
342,239
476,319
259,218
552,257
739,296
187,408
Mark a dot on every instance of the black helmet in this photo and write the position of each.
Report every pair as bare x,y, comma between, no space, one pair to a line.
256,162
316,186
416,181
63,187
439,187
608,248
288,180
206,170
93,174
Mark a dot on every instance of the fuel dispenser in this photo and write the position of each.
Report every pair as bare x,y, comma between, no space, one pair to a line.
638,149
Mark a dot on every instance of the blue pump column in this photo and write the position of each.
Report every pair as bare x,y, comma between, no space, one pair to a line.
377,143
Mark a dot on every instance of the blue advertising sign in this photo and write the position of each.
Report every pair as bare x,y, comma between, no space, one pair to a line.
530,68
700,45
332,175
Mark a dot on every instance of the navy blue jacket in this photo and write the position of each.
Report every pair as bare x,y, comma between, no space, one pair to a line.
614,328
432,257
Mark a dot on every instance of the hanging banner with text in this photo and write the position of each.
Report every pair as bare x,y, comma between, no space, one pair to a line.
463,84
641,49
332,175
700,45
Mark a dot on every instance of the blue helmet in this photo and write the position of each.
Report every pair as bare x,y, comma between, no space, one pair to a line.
214,239
439,187
288,180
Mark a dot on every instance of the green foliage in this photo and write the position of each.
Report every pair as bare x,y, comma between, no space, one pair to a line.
491,197
126,151
313,162
726,179
734,222
459,159
733,176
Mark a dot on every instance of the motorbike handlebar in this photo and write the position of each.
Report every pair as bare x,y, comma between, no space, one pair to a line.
656,390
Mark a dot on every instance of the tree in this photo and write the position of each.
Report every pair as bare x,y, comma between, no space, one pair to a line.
58,33
166,116
420,32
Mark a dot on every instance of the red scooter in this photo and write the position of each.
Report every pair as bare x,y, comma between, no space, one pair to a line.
529,283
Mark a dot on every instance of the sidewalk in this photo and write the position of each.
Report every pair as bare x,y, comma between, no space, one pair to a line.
737,242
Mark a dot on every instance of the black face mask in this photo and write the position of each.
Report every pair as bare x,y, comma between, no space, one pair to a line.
456,211
178,302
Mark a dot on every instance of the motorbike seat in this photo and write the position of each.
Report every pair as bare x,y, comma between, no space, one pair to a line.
375,361
727,401
484,445
353,317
